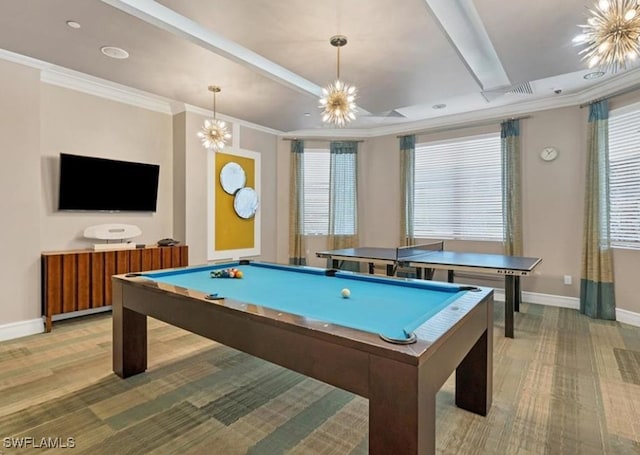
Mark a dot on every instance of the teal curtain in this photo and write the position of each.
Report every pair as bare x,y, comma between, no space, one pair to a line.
511,187
343,198
597,298
297,249
407,186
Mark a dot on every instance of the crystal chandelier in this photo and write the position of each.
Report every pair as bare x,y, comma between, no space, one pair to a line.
214,133
611,35
338,99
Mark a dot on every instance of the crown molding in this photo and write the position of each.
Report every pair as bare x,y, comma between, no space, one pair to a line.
75,80
618,83
23,60
81,82
102,88
627,80
183,107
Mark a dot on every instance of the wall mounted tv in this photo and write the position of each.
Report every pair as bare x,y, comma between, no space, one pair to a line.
99,184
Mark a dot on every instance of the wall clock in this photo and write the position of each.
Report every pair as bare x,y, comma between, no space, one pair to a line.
549,153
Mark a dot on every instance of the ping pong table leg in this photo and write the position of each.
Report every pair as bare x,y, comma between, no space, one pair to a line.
517,297
509,298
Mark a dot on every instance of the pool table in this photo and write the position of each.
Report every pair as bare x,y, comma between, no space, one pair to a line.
394,341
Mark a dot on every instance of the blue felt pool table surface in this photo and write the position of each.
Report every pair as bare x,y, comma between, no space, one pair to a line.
387,306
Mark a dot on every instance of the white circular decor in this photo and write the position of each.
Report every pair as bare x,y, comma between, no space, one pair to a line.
245,202
232,177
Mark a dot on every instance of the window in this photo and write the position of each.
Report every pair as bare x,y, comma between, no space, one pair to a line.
458,189
624,178
316,195
316,191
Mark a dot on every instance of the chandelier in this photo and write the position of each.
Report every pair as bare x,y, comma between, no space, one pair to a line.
338,99
611,35
214,133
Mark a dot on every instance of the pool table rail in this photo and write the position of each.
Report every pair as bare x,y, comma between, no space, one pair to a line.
426,334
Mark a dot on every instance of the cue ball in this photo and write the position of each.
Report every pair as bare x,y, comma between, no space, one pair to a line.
345,293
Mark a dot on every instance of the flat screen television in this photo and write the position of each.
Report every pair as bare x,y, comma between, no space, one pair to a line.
100,184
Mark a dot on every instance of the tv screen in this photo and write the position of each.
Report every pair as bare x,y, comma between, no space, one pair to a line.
88,183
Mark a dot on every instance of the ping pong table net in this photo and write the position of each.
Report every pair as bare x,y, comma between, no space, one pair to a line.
406,253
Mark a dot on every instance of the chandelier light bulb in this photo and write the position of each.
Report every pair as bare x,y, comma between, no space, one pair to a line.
339,104
214,134
610,35
338,99
578,39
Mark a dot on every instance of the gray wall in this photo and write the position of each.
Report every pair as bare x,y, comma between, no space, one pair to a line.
20,193
77,123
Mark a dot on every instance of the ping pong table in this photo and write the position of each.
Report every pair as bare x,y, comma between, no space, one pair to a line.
427,258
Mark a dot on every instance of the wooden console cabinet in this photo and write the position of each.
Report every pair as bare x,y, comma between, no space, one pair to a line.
80,280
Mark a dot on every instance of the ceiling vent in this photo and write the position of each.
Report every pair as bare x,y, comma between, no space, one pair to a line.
522,89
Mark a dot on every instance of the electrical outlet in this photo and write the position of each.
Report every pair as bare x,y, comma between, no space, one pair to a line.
568,280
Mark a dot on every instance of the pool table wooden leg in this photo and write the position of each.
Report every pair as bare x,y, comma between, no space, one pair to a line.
129,338
474,377
402,410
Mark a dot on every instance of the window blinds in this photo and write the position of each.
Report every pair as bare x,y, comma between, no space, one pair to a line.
624,178
316,191
458,189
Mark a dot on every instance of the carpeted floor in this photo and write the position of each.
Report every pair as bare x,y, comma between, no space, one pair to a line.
565,385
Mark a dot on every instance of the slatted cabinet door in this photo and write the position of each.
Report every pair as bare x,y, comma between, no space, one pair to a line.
80,280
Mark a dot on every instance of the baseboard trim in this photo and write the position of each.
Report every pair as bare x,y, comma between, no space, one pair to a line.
21,329
543,299
625,316
628,317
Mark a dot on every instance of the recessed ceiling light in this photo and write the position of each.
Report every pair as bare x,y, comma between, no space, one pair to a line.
114,52
73,24
439,106
307,114
594,75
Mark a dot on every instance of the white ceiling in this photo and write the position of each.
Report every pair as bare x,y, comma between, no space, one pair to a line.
271,58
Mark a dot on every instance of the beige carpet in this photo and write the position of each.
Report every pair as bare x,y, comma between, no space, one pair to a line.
565,385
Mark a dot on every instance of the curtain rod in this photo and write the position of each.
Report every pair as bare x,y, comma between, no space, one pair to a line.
467,125
320,139
620,92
